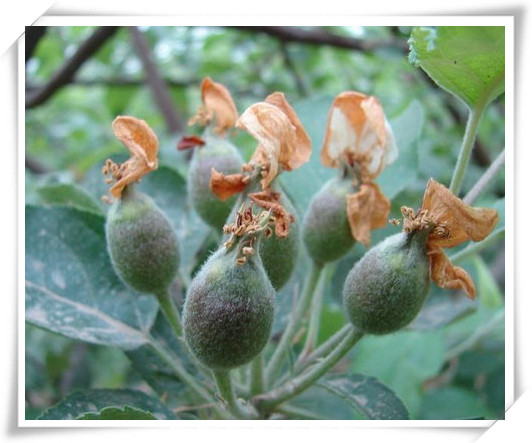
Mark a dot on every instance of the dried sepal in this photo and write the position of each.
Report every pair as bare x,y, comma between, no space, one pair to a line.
225,186
143,145
358,132
283,142
218,105
366,210
189,141
271,201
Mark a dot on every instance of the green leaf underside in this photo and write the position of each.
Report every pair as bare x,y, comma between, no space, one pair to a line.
467,61
71,287
108,404
367,396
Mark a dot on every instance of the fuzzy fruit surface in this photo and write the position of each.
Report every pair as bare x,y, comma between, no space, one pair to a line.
278,254
141,243
228,311
326,232
386,289
223,156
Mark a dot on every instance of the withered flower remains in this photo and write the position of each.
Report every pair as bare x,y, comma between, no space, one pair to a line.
139,138
359,136
451,222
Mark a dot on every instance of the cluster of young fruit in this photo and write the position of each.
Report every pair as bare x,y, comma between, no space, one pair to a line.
229,307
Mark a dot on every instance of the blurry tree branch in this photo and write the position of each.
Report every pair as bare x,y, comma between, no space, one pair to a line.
298,80
156,82
67,71
121,81
322,37
34,166
32,37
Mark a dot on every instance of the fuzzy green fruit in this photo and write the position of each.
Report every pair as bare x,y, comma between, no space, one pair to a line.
386,289
326,232
141,243
279,255
221,155
228,311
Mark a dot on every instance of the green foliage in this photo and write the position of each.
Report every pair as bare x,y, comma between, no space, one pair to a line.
448,363
468,61
366,395
70,285
108,404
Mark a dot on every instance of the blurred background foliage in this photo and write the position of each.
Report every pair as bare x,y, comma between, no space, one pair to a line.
448,365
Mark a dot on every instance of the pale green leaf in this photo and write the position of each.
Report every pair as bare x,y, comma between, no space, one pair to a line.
467,61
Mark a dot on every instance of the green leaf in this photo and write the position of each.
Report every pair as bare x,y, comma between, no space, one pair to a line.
407,128
442,307
117,413
155,370
67,194
489,293
109,403
402,361
367,396
324,404
71,287
467,61
451,403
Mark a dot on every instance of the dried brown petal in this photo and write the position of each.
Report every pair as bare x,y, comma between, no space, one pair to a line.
366,210
292,157
283,142
357,130
271,201
219,103
456,222
143,145
445,275
225,186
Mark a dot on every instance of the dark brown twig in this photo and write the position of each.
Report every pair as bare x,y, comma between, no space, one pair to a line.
32,37
155,81
67,71
319,36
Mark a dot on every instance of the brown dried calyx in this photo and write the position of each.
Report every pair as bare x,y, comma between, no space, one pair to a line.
218,107
245,230
451,222
143,145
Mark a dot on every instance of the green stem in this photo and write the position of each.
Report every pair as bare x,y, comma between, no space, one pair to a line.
483,181
314,322
292,388
170,312
323,349
291,328
256,385
185,377
476,336
467,145
225,388
475,248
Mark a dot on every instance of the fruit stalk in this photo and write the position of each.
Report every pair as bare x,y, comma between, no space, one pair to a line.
293,322
225,388
170,311
256,385
294,387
